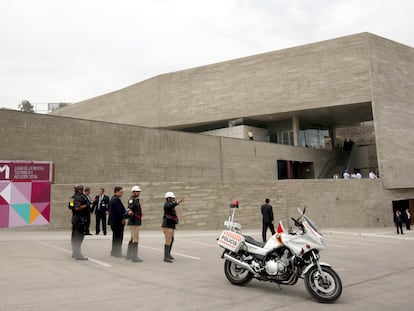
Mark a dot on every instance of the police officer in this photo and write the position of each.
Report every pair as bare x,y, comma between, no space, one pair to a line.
135,213
80,212
169,221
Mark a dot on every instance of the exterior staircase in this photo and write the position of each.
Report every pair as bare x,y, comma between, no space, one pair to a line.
338,166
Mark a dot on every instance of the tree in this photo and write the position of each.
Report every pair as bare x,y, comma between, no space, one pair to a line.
25,105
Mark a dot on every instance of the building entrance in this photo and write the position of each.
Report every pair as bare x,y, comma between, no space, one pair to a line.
402,206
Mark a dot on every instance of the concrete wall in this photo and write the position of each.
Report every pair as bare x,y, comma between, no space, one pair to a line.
323,74
330,203
91,151
208,171
353,69
392,70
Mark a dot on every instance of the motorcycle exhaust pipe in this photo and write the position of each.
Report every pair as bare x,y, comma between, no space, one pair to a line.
240,263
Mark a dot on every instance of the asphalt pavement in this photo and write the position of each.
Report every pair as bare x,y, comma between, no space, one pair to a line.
37,273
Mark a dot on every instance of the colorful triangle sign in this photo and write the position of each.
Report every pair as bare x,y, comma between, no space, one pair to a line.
33,213
23,210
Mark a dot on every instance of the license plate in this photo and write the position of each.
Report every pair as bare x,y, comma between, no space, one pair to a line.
230,240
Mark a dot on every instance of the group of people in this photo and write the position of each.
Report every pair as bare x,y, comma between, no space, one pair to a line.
400,218
118,216
356,174
82,206
348,145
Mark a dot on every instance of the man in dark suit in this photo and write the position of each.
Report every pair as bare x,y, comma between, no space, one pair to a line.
101,207
267,213
117,221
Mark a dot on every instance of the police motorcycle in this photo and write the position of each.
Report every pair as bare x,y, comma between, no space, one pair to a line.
283,259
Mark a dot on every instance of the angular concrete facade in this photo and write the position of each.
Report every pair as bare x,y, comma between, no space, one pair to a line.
85,151
347,80
392,72
314,76
138,134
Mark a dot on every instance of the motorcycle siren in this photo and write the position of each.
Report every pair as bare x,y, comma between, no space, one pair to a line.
136,188
234,204
169,194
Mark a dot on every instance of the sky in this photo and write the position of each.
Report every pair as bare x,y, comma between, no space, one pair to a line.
68,51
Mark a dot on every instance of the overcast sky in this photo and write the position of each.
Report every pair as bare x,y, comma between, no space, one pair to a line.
68,51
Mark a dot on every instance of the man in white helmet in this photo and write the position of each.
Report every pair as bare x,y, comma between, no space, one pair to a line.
135,212
169,221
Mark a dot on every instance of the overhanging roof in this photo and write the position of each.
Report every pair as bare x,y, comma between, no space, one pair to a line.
335,116
329,116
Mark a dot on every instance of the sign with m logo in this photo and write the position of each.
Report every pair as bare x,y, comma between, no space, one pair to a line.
4,169
25,188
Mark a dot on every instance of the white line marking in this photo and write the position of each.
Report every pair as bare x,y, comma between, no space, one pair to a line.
205,244
175,254
98,262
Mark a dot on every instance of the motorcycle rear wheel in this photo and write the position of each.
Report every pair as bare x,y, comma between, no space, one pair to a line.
326,288
237,275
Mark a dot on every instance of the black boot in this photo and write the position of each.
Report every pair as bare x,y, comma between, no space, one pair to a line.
76,247
166,253
81,257
135,257
77,253
129,251
169,252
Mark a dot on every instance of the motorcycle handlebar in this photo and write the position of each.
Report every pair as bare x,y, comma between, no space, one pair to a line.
298,224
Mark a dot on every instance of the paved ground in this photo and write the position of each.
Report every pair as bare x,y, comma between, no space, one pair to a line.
38,273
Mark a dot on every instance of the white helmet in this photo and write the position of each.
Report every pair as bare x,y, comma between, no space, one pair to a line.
136,188
169,195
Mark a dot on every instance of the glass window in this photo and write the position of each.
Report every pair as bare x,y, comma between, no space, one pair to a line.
287,138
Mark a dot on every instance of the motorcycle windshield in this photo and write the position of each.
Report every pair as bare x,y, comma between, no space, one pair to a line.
311,224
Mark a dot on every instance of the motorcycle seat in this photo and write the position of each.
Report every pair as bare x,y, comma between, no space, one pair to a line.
250,240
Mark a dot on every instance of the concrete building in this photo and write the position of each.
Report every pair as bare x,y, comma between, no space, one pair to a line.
296,96
301,103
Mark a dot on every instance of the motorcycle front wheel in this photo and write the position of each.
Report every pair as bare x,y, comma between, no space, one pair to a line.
326,287
236,274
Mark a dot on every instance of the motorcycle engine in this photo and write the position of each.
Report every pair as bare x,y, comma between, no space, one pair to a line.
277,265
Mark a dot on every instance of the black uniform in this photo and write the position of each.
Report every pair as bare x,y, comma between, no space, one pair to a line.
170,218
398,223
135,206
267,212
79,223
88,217
101,206
116,217
407,219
